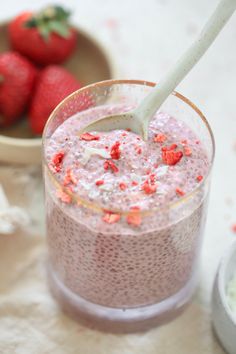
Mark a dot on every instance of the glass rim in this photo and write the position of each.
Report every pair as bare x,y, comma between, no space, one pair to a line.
96,206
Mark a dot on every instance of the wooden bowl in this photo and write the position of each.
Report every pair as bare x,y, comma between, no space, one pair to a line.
89,63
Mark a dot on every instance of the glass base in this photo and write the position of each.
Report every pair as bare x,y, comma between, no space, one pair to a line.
120,320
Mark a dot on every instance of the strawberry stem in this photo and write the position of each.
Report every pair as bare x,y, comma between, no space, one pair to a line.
51,19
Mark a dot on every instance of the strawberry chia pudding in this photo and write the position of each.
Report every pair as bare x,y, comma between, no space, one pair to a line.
124,230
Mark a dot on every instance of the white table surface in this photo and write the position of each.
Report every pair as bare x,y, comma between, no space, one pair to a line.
145,38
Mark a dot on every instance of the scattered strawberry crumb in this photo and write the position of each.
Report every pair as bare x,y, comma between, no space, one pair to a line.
99,182
169,156
89,137
160,138
69,178
138,150
199,178
180,191
110,165
134,183
149,188
187,151
134,217
115,151
184,142
122,186
57,161
64,197
111,218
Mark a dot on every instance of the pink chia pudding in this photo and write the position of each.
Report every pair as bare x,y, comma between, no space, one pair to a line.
125,216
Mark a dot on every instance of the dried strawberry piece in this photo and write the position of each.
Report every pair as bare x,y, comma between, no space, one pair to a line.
99,182
110,165
180,192
169,156
184,142
138,150
89,137
111,218
149,188
187,151
199,178
57,161
134,217
115,151
152,178
134,183
122,186
64,197
69,177
160,138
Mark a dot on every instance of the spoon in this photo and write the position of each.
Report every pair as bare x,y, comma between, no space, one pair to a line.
137,120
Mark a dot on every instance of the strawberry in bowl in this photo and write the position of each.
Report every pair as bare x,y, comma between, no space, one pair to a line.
45,37
17,81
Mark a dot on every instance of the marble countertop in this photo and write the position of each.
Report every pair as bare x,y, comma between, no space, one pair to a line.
145,38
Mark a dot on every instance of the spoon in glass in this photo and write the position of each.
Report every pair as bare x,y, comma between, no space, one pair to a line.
138,119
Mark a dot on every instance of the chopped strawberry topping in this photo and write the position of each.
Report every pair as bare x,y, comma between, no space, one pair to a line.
110,165
149,188
152,178
184,142
199,178
134,183
187,151
138,150
115,151
180,191
64,197
159,138
99,182
69,177
89,137
57,161
169,156
134,217
122,186
111,218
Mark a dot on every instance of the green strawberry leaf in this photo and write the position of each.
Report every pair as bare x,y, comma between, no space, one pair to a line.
60,28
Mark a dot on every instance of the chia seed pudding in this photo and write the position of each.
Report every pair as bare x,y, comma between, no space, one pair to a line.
125,216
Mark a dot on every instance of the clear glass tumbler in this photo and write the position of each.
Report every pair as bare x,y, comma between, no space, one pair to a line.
130,279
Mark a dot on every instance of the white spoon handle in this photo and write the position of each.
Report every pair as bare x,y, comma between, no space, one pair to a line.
158,95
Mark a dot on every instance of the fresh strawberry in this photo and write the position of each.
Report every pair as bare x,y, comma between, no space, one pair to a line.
45,37
17,79
54,84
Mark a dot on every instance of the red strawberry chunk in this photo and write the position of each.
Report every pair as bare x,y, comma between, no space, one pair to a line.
57,161
149,188
64,197
111,218
234,228
187,151
199,178
110,165
122,186
89,137
99,182
134,217
169,156
69,177
115,151
180,192
160,138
